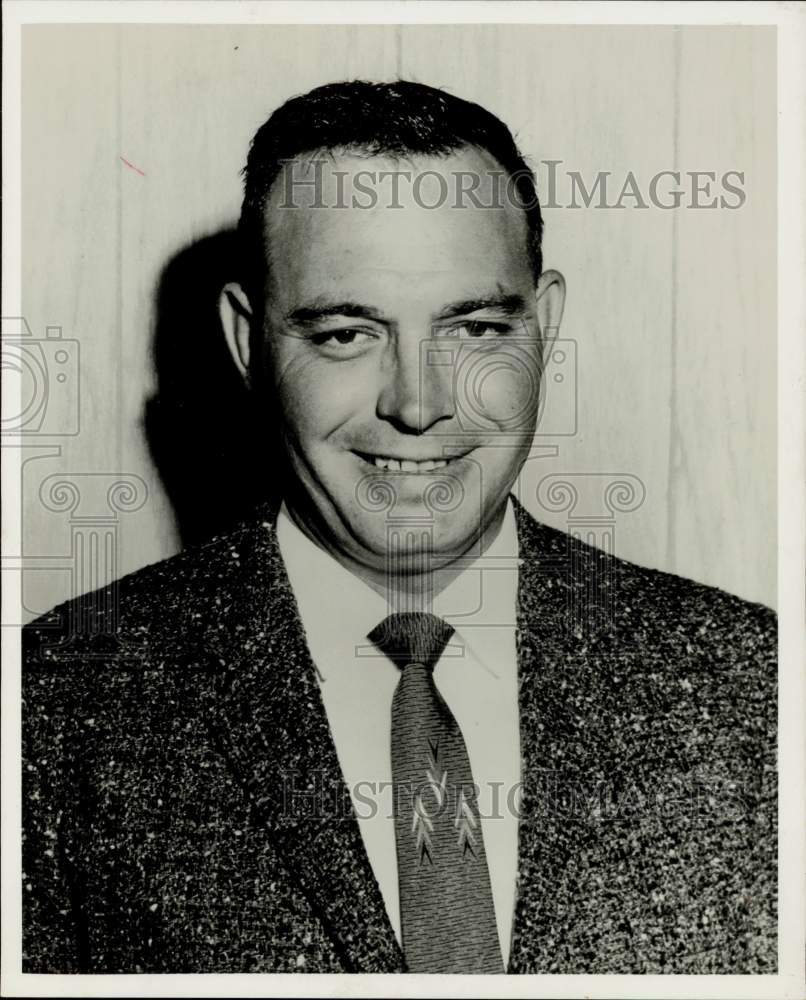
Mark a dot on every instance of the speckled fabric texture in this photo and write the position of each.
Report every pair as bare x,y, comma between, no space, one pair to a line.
183,808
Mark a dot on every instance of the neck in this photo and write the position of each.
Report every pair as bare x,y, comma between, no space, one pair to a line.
413,590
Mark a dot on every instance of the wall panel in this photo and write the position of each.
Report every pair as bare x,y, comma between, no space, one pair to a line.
670,313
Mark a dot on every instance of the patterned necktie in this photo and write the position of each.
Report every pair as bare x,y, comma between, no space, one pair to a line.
446,903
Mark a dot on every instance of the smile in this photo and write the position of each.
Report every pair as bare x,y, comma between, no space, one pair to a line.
407,465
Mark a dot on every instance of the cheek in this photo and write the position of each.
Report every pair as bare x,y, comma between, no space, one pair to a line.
314,399
503,388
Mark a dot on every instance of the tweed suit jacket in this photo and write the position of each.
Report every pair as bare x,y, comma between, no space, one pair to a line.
184,810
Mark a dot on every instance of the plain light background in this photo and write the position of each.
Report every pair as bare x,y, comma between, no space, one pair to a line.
673,313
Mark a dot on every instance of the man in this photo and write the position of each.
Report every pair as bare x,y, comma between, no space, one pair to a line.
387,727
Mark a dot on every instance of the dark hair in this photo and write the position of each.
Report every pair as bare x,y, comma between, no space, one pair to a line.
397,119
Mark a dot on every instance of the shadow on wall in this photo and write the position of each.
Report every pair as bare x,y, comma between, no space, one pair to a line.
212,451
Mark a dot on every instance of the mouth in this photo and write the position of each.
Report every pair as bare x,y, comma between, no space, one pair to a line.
408,466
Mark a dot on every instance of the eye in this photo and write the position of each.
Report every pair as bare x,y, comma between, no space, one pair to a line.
346,342
336,336
477,329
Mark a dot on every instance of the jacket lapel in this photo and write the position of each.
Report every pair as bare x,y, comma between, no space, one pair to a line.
552,752
255,684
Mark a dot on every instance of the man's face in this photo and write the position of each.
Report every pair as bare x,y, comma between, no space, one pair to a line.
404,347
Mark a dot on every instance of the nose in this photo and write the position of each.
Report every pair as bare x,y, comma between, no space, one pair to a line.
417,391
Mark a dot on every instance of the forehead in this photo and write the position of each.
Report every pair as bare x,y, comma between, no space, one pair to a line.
364,225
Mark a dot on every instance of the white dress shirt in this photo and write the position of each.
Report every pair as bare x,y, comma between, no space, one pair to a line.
477,676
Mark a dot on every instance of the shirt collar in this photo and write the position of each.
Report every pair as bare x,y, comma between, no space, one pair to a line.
338,609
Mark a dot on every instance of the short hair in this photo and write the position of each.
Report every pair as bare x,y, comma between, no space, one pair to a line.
394,119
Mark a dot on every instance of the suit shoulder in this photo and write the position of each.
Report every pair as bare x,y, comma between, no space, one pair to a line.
652,601
668,598
660,594
153,600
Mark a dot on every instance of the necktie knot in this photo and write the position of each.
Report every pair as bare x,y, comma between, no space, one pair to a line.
412,637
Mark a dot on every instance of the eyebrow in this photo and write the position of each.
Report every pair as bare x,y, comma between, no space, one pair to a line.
311,314
507,304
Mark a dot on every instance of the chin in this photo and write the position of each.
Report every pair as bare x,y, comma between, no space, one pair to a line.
409,544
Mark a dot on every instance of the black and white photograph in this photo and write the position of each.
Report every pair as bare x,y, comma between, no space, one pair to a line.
402,527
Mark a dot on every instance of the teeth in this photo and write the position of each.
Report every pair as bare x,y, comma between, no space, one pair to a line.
393,465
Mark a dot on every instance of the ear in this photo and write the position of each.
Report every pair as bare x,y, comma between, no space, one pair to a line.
236,320
550,300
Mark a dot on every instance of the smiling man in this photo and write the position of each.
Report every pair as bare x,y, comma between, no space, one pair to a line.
385,727
353,313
